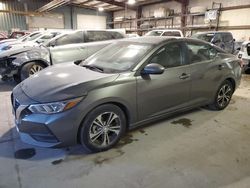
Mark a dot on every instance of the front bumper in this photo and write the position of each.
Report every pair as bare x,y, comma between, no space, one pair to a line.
55,130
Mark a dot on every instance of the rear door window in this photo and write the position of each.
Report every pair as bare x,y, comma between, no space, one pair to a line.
200,52
92,36
72,38
227,37
169,56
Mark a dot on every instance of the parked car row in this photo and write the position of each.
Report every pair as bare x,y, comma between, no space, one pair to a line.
33,53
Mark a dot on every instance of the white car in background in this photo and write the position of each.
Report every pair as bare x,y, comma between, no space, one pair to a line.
30,41
244,55
7,42
165,32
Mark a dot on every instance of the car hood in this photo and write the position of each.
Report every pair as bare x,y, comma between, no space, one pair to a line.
64,81
14,51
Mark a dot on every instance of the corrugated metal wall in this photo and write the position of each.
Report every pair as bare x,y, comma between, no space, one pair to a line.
9,21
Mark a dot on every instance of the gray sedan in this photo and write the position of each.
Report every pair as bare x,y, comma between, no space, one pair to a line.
124,85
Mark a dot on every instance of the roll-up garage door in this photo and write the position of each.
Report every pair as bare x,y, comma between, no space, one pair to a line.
91,22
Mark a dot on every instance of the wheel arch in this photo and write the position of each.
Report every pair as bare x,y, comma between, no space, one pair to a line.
121,105
232,81
43,62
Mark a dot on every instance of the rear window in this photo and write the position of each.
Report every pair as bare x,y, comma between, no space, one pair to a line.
172,34
206,37
227,37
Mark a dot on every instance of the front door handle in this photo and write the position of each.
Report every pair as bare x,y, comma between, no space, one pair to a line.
220,67
184,76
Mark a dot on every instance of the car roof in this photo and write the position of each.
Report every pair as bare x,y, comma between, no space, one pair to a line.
166,30
213,32
149,39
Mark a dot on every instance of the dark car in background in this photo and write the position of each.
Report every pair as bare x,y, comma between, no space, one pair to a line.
224,40
68,47
126,84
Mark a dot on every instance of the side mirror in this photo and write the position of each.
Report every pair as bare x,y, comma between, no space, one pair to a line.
153,68
52,43
39,41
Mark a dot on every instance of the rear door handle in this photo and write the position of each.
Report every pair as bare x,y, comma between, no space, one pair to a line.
184,76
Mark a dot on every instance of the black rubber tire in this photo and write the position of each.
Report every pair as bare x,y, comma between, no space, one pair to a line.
215,105
17,78
24,72
85,127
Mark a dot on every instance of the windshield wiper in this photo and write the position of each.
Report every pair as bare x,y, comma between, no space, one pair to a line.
93,67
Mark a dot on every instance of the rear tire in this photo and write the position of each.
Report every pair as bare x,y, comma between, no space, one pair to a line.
29,69
223,96
102,128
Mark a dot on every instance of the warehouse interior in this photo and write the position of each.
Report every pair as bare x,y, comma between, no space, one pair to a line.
69,67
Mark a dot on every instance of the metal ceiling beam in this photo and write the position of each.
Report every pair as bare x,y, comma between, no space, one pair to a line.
52,5
120,4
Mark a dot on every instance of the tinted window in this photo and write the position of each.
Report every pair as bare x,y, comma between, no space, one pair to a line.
72,38
172,33
199,52
168,56
115,35
206,36
92,36
227,37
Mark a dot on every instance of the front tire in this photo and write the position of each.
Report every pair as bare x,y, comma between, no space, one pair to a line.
223,96
29,69
102,128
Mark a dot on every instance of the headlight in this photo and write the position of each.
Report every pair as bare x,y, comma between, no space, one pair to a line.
6,48
55,107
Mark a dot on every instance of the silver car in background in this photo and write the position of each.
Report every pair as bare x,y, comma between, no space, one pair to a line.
124,85
69,46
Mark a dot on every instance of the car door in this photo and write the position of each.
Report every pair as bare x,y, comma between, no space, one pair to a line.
167,92
204,71
68,48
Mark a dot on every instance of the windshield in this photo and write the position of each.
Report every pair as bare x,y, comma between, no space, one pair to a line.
206,37
118,57
154,33
32,37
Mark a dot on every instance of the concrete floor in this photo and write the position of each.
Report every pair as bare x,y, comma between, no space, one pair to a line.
199,149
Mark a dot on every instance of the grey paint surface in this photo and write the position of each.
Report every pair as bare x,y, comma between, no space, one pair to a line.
144,98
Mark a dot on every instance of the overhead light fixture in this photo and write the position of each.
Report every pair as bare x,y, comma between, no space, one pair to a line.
131,2
100,9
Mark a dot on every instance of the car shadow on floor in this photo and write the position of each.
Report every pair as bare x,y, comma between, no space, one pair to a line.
7,85
15,148
19,150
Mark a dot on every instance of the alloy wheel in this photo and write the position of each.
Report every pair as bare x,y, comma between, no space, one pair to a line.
224,95
34,69
105,129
